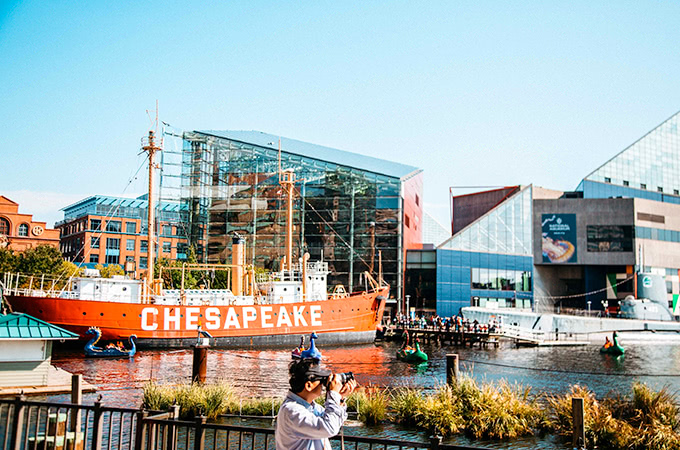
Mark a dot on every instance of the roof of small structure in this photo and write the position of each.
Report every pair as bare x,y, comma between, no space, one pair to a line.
23,326
319,152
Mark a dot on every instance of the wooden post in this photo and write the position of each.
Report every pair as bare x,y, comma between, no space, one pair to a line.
18,425
76,399
435,442
97,427
171,431
451,369
199,434
140,431
198,373
577,417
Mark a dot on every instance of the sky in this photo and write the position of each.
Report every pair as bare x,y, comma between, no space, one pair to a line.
474,93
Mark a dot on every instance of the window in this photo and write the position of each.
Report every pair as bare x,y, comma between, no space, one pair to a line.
94,258
676,192
417,200
167,230
130,245
111,259
626,183
143,262
167,247
94,242
659,189
643,186
95,224
4,226
23,230
609,238
112,244
407,221
130,227
182,250
144,246
607,180
113,226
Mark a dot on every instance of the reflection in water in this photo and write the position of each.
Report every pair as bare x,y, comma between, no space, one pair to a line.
264,372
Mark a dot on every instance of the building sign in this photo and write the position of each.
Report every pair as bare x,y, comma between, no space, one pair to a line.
558,233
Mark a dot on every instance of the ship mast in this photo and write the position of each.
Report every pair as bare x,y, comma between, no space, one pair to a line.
149,146
287,181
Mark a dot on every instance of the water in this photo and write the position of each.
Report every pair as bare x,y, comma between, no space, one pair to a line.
651,358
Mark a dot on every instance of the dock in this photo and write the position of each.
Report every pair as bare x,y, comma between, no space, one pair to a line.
58,382
483,337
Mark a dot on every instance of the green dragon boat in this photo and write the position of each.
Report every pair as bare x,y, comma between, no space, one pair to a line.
411,355
615,348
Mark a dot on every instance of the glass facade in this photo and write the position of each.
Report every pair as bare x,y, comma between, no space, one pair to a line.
490,261
650,165
342,214
505,229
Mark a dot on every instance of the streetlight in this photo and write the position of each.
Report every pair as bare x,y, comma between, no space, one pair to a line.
588,302
408,310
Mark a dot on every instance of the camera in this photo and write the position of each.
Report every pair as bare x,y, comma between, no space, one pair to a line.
344,378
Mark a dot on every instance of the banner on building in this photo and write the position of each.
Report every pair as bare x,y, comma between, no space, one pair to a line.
558,233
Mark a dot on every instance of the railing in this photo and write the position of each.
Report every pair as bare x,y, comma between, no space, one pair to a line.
30,425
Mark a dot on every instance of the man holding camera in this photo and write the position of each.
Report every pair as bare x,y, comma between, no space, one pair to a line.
303,424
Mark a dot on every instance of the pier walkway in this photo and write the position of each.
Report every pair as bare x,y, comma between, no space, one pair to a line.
485,337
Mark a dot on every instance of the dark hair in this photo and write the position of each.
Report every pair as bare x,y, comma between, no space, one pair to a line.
298,372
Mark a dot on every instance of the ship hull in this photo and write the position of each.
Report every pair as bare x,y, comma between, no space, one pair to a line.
351,319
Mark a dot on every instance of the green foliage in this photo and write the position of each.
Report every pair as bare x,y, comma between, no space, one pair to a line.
406,405
194,400
42,259
260,406
110,270
8,260
372,405
645,420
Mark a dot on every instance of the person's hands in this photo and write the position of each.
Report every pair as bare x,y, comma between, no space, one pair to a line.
348,388
335,384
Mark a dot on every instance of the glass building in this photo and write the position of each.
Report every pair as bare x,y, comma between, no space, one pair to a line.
649,168
490,261
350,209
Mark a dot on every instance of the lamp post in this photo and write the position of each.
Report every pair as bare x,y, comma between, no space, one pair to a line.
588,302
408,309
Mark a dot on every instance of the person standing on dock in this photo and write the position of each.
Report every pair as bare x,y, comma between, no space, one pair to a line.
302,424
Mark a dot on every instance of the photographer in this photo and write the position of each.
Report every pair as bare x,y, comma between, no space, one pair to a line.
303,424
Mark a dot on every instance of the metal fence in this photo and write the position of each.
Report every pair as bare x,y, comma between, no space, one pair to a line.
30,425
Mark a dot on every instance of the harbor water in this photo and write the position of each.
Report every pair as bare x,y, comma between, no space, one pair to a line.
653,358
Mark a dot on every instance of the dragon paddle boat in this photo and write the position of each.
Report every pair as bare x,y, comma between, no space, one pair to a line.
613,347
412,355
312,352
111,350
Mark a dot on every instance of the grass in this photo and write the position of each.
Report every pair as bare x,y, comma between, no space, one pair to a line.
643,419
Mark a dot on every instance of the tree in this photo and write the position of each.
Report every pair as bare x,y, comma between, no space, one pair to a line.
43,259
110,270
8,260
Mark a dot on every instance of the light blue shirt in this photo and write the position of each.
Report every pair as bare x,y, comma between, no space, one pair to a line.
304,426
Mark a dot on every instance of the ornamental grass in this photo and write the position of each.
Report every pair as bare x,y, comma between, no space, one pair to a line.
194,400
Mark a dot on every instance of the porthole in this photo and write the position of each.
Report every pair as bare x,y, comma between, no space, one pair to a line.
124,315
85,314
124,289
40,311
101,314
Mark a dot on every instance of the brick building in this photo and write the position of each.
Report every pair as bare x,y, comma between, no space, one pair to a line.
20,232
111,230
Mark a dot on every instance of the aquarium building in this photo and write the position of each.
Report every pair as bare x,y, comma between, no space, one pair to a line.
352,210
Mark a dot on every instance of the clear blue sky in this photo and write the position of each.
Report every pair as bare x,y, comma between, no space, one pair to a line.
474,93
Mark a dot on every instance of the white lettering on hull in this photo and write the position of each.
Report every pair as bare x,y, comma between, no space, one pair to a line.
213,318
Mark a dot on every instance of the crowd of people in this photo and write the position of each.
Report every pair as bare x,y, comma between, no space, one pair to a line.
455,323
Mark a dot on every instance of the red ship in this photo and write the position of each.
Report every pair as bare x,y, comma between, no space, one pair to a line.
271,309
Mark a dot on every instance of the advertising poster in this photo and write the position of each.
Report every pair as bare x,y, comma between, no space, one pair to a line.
558,233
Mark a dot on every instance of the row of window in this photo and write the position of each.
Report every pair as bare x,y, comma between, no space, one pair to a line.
608,180
609,238
493,303
22,230
116,226
114,244
657,234
500,279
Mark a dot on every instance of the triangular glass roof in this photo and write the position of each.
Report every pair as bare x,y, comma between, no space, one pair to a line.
23,326
504,229
319,152
652,163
